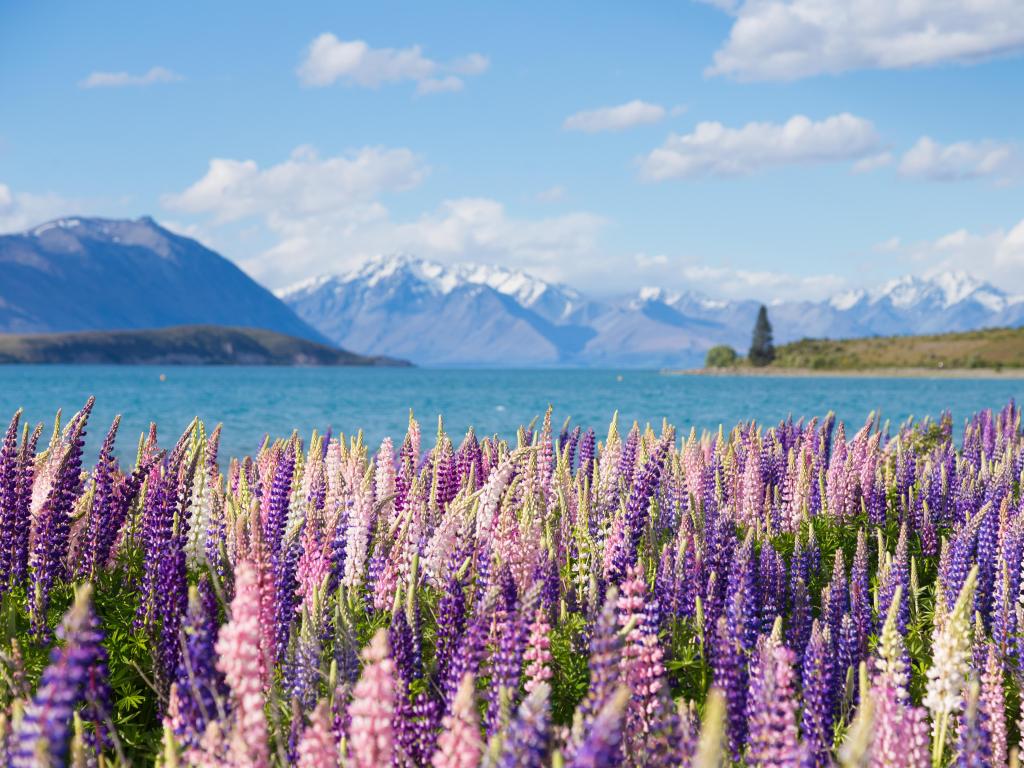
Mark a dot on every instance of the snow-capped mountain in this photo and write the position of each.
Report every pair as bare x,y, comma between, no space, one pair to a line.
79,274
471,314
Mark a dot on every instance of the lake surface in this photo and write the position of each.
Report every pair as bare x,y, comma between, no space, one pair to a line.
254,401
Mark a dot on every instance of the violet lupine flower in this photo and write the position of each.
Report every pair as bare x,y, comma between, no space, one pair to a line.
818,695
605,672
587,444
602,743
528,736
104,478
506,661
318,748
973,749
200,686
730,675
468,656
239,659
373,706
459,744
773,740
451,623
43,735
10,478
860,598
897,575
53,523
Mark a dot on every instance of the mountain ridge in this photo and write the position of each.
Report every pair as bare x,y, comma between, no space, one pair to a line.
492,315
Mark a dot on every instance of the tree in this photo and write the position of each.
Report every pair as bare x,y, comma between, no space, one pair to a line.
762,351
722,356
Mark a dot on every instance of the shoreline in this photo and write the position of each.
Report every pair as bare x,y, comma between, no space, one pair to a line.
862,373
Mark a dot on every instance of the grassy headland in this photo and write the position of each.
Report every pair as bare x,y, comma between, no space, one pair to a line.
178,345
984,352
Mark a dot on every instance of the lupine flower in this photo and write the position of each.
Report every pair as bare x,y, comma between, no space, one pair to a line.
459,745
527,738
373,705
538,653
239,659
44,732
773,740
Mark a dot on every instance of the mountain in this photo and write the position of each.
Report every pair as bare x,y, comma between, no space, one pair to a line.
179,345
76,274
471,314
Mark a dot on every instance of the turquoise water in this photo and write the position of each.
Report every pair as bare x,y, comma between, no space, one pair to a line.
253,401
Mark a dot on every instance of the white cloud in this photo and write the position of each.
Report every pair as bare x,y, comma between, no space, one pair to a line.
618,118
552,194
329,60
996,256
873,162
324,214
928,159
713,149
303,185
121,79
23,210
789,39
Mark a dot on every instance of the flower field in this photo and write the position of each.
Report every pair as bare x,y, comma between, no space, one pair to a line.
805,594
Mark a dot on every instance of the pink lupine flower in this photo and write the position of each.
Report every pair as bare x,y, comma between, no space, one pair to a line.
314,564
993,707
900,733
384,478
538,652
239,659
359,525
373,706
317,748
459,745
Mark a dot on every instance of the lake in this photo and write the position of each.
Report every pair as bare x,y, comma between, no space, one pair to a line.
254,401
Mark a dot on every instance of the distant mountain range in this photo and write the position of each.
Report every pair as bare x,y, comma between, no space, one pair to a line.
477,315
78,274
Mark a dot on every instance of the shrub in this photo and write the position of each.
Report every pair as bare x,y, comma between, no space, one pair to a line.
722,356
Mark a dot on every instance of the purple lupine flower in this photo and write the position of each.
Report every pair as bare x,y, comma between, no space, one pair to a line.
76,673
860,598
18,534
10,477
816,718
897,574
451,624
104,478
992,708
605,666
53,523
587,444
729,663
506,662
201,687
773,740
601,746
973,748
528,736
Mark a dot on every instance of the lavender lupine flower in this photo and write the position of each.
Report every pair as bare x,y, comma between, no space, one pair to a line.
201,688
951,654
773,740
605,672
818,695
75,668
528,736
372,708
239,659
459,744
602,744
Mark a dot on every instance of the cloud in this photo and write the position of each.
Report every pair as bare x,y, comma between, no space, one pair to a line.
22,210
329,60
303,185
713,149
996,256
326,214
932,161
618,118
122,79
790,39
553,194
873,162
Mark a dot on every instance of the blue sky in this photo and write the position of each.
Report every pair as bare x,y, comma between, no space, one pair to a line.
767,148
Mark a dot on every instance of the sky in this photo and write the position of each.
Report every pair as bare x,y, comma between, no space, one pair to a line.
768,149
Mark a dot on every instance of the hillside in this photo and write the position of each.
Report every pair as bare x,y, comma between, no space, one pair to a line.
181,345
81,274
990,348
